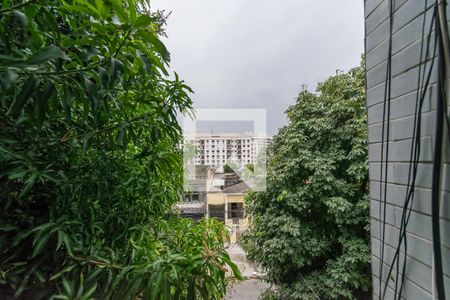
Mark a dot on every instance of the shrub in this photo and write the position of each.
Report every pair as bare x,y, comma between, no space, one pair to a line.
90,159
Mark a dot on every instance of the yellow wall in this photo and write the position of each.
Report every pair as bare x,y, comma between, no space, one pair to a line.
235,198
219,198
215,198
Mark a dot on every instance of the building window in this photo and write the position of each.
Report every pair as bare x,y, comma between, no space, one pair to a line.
235,210
217,211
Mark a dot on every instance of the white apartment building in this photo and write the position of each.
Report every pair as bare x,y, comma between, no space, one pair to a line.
218,149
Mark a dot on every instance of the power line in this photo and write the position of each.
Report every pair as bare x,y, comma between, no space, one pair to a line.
422,87
386,122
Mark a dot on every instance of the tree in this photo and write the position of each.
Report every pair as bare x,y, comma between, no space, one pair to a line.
250,167
310,229
90,159
227,169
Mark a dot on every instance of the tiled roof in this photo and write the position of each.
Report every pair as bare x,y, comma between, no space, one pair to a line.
240,188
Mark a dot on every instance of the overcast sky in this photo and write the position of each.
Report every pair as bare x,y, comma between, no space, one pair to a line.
259,53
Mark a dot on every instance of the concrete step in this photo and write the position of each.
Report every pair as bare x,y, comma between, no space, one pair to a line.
238,257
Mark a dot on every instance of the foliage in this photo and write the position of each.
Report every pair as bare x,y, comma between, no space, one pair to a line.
227,169
310,229
90,159
250,167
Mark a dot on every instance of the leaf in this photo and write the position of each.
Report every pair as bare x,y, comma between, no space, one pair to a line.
6,4
167,294
8,79
22,286
85,145
46,55
20,18
132,10
80,286
234,268
157,44
68,287
100,6
89,8
42,101
21,236
6,228
16,175
204,292
60,239
60,273
115,67
67,244
89,86
144,61
120,135
157,286
40,244
9,59
67,102
44,226
50,20
27,91
143,21
88,53
120,11
134,288
191,289
93,275
124,272
81,32
28,185
90,292
104,77
61,297
40,276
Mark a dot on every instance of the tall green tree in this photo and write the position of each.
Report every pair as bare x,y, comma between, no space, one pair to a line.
90,163
310,229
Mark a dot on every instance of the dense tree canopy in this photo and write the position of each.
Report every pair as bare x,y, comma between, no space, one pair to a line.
90,163
310,229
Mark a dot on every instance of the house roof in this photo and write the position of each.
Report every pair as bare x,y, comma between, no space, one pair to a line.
240,188
202,170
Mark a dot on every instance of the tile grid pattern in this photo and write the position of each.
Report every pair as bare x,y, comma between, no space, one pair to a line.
406,43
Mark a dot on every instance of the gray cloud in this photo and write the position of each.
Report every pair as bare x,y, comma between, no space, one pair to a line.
259,53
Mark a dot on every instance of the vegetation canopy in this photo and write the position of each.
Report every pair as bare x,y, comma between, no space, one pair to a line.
90,163
310,229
